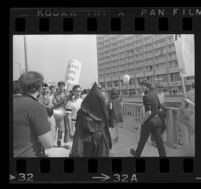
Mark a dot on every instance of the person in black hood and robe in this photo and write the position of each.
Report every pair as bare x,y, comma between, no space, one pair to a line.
92,137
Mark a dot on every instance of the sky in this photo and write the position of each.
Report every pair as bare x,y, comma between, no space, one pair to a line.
50,54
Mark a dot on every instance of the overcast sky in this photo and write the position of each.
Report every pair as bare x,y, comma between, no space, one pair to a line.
49,55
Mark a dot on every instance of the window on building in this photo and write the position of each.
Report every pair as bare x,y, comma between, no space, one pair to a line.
162,78
116,83
130,91
109,83
125,92
132,81
121,82
190,78
149,68
150,79
130,52
175,77
173,64
140,79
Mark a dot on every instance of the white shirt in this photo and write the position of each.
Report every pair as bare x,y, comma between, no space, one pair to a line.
161,97
73,106
51,99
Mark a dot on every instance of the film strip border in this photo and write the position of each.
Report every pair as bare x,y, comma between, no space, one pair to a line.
166,20
107,21
129,170
92,25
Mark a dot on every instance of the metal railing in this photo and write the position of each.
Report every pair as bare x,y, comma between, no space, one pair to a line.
132,114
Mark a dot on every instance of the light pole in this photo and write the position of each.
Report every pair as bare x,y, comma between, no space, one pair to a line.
25,55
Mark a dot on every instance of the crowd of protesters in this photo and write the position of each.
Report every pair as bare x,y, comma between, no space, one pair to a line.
47,118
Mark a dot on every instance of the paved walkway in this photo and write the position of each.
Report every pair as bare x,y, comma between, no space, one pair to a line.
129,139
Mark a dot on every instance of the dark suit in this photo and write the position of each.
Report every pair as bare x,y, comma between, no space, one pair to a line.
151,103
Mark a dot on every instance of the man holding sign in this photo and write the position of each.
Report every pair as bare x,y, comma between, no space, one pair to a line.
73,104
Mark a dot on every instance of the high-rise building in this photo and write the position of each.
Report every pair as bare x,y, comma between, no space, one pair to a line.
151,57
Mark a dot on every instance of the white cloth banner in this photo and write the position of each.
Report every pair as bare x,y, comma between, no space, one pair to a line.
73,72
185,51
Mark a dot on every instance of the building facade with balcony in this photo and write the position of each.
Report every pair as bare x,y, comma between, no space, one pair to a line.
151,57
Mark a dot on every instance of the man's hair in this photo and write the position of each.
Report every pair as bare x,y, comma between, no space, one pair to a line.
84,92
159,86
146,83
45,85
51,86
61,83
114,94
75,87
30,82
16,87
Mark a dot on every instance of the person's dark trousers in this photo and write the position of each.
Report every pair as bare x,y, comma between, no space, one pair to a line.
67,130
163,125
146,130
162,115
156,133
162,128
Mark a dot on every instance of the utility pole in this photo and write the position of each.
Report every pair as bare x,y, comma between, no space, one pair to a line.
25,55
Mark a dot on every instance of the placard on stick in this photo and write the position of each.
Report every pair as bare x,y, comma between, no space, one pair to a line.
73,72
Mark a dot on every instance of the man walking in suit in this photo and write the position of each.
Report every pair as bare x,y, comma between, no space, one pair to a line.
151,122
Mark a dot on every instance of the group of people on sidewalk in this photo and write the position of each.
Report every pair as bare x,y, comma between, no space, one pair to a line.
45,118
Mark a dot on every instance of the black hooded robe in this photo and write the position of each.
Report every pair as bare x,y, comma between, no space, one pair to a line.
92,137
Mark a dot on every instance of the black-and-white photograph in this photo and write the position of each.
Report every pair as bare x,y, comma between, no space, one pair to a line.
104,95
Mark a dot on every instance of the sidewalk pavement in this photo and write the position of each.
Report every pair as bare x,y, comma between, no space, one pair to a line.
129,139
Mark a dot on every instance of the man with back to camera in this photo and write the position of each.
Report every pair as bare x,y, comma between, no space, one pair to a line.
162,113
31,128
152,105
